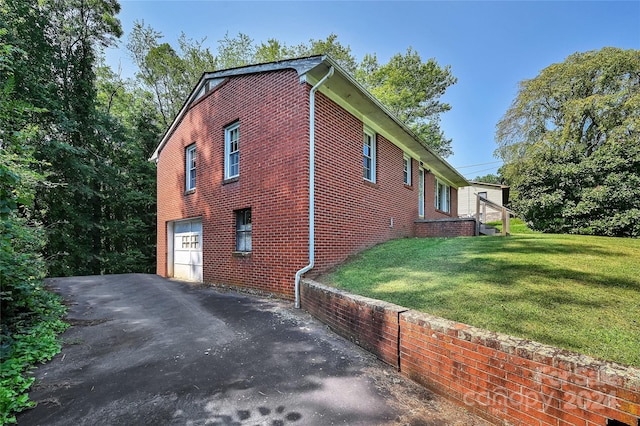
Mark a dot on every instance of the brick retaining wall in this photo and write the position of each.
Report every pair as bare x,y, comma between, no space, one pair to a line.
502,378
453,227
372,324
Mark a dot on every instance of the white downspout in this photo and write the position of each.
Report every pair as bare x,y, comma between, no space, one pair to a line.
312,183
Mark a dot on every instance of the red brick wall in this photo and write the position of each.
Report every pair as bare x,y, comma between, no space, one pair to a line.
505,379
430,199
272,109
372,324
445,228
353,214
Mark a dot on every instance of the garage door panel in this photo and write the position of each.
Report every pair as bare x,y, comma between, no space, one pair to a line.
182,271
187,252
182,227
196,258
182,257
196,273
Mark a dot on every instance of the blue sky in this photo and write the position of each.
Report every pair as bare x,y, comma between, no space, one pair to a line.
490,45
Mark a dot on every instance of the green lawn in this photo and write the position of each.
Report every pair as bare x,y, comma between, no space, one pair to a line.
577,292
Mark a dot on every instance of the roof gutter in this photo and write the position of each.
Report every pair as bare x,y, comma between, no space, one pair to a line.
312,183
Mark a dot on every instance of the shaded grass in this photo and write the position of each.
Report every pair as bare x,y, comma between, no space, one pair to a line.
576,292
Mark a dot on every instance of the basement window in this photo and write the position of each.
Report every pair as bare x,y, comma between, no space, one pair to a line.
243,230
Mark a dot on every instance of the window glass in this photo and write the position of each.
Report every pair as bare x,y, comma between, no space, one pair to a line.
232,151
190,171
407,170
369,156
243,230
442,196
190,241
421,192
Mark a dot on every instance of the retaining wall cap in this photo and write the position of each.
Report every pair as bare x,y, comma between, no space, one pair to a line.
378,304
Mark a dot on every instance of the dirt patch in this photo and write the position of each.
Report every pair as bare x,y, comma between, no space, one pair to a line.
418,405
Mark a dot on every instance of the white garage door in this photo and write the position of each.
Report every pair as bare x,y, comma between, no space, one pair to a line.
187,250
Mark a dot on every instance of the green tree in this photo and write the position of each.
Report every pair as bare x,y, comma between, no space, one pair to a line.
332,47
196,58
95,136
128,215
411,89
570,143
30,314
169,74
490,178
272,51
78,148
407,86
235,51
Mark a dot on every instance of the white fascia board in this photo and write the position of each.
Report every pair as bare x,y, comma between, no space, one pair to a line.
343,89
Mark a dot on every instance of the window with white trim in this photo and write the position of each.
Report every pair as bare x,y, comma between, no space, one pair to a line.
369,155
443,195
190,167
420,191
407,169
243,230
232,151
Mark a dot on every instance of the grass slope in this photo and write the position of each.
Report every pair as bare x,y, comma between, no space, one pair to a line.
580,293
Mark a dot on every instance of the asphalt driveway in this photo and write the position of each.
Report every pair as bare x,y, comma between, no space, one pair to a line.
146,350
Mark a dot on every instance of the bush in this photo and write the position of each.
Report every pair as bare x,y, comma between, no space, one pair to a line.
30,314
566,192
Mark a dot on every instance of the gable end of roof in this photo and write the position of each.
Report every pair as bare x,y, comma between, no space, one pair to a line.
300,65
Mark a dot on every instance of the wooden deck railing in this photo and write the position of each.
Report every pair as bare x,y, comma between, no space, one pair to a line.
505,214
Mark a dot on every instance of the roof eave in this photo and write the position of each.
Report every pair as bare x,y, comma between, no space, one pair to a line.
370,110
496,185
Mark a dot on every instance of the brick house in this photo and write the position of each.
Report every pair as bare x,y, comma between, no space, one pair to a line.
235,167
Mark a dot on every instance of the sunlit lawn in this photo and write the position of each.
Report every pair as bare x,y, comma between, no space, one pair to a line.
576,292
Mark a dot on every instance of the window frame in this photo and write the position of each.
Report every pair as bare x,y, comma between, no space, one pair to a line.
369,139
421,197
230,154
406,169
243,230
190,241
190,171
442,188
